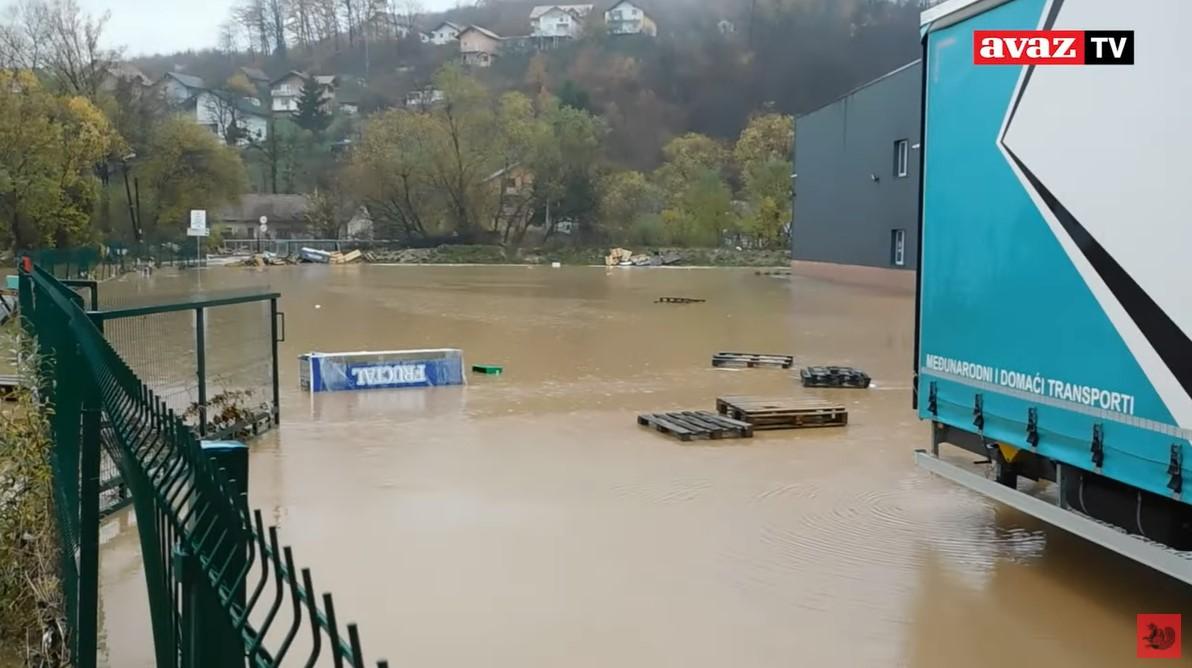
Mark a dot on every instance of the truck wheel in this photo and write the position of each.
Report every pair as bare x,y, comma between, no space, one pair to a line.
1003,471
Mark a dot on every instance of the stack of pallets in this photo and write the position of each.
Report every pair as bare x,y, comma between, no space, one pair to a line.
752,361
782,413
688,425
834,376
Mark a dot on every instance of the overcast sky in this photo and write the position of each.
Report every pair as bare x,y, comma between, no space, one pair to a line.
162,26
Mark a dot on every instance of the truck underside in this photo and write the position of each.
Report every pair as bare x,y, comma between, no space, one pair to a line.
1140,525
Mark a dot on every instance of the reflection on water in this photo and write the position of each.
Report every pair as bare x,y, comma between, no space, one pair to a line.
525,520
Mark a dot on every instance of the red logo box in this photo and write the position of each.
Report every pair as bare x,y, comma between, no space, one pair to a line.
1158,636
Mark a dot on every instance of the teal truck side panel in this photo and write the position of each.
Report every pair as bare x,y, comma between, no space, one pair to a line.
1020,320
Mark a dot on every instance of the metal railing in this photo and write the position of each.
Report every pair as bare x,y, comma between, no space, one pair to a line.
100,262
222,590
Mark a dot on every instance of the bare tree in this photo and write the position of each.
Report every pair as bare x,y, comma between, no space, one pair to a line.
22,36
252,15
229,38
276,12
328,20
303,20
351,10
58,37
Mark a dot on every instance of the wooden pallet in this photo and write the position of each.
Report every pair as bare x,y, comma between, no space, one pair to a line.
782,413
679,300
688,425
752,361
834,376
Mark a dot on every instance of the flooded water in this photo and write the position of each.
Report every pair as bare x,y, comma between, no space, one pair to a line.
527,521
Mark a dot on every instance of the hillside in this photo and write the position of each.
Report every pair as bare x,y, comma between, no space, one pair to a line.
788,56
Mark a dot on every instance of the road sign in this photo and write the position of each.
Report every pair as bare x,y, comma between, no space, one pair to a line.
192,232
198,219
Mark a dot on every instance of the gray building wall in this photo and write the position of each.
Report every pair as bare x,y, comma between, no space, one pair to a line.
842,214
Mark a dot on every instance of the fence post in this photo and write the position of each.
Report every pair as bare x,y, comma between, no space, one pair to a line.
210,639
276,383
201,363
88,625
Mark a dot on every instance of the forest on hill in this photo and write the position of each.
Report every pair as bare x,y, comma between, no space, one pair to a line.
713,64
683,138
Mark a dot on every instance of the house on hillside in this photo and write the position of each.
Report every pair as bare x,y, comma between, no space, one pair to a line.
286,214
220,110
255,76
124,73
444,33
628,18
287,90
424,98
478,46
514,188
558,20
177,88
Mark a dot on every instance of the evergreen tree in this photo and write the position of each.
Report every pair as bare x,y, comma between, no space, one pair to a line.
311,114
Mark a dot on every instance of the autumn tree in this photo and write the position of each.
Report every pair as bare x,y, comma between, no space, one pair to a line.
699,200
187,168
628,203
49,146
763,156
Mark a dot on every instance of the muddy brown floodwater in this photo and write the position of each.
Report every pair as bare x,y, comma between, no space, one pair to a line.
527,521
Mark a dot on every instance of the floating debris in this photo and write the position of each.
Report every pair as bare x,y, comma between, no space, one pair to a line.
488,369
782,413
688,425
752,361
680,300
835,376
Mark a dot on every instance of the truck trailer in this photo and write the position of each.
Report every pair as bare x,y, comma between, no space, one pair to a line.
1054,304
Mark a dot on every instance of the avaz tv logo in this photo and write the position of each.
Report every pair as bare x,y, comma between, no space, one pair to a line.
1053,47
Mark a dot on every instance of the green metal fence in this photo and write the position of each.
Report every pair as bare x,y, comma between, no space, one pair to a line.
107,261
222,590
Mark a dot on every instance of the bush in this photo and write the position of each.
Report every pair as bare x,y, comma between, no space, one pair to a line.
31,602
649,230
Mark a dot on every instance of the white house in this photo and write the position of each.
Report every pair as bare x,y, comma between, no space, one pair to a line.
628,18
177,88
219,110
445,33
558,20
478,46
287,90
424,98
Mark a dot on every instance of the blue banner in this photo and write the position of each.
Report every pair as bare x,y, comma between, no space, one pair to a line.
403,370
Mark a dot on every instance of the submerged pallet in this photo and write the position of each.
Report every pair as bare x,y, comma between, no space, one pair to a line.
834,376
752,361
784,413
688,425
679,300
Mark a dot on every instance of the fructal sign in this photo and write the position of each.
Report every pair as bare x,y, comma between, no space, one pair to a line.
1053,47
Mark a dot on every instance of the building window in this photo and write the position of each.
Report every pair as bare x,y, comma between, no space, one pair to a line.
901,157
898,248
